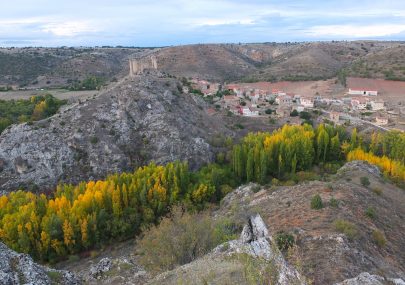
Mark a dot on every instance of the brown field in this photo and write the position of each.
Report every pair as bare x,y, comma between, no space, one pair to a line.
390,91
306,88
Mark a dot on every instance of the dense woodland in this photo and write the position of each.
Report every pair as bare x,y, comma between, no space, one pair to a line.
34,109
77,218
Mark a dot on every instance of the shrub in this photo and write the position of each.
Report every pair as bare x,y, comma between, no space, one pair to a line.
333,202
284,240
307,176
346,228
256,188
371,213
275,182
377,191
294,113
256,270
364,181
74,258
316,202
379,238
94,140
268,111
182,237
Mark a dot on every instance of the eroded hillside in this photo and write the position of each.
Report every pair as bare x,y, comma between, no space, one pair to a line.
138,120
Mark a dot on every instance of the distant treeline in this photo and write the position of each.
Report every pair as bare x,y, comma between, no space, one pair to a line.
33,109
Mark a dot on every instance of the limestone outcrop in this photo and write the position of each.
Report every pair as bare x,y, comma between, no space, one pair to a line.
16,269
141,119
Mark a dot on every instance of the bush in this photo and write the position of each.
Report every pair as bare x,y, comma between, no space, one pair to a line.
371,213
377,191
346,228
94,140
364,181
379,238
294,113
333,202
305,116
268,111
284,240
307,176
182,237
316,202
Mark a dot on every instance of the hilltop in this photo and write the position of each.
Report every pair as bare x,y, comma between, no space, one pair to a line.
59,67
138,120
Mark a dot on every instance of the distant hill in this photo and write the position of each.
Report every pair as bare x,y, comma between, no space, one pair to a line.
50,67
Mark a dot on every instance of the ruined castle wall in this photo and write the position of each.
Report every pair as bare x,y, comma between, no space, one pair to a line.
138,66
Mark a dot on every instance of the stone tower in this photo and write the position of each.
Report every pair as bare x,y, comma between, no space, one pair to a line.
139,65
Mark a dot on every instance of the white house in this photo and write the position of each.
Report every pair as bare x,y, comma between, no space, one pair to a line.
248,112
283,100
381,121
307,102
299,108
363,92
377,105
359,103
334,117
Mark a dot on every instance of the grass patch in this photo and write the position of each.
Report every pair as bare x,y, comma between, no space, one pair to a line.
365,181
379,238
377,191
371,213
258,270
284,240
346,228
333,202
182,237
55,276
316,202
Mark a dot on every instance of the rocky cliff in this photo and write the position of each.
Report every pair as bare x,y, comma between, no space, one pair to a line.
230,262
140,119
18,269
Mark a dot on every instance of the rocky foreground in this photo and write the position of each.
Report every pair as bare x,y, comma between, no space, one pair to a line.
18,269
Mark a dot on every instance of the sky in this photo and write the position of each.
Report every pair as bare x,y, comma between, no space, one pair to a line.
147,23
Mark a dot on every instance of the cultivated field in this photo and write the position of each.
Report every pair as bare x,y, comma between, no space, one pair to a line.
72,96
306,88
390,91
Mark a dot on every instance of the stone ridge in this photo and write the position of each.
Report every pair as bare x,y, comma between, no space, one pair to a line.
141,119
18,269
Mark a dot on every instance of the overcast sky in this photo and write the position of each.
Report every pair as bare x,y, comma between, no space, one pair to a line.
174,22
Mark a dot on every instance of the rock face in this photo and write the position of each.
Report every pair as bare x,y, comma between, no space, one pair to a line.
18,269
366,278
256,241
227,263
103,266
142,118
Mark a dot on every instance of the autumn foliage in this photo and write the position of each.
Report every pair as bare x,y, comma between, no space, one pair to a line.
287,150
390,167
92,213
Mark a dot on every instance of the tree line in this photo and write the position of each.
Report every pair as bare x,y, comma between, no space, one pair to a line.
285,151
79,217
33,109
93,213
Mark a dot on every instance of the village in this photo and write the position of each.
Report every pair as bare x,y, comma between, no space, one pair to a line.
355,106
